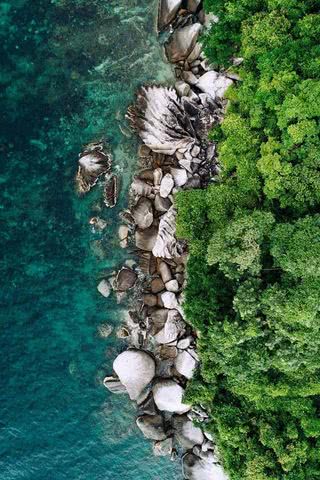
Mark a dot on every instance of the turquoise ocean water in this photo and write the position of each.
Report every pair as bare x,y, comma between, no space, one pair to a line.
69,68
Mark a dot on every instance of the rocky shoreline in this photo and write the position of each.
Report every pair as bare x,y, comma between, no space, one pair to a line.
173,124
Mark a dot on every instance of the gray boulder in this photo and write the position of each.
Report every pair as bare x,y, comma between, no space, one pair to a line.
146,239
152,426
126,279
114,385
183,89
193,5
135,369
161,204
169,300
196,468
166,242
167,11
187,434
180,176
163,448
182,42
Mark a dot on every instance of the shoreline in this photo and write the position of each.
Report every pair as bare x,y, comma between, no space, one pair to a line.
173,124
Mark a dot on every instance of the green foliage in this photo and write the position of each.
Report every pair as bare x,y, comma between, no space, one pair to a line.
296,247
253,272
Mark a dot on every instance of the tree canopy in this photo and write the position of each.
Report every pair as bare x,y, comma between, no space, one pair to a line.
253,290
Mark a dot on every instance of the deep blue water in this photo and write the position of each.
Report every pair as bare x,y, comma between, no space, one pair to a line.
69,69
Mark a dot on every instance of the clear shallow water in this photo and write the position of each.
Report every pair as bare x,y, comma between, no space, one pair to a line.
68,71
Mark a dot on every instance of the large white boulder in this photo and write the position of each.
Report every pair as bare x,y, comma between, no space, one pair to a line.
135,370
168,395
182,42
196,468
180,176
187,434
185,364
169,300
214,84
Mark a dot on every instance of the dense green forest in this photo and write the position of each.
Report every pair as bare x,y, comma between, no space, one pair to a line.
253,290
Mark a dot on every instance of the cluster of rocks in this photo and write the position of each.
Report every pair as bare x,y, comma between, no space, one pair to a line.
94,161
173,124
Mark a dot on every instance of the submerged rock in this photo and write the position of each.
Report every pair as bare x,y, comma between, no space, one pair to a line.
111,191
114,385
104,288
168,397
105,330
163,448
135,369
152,426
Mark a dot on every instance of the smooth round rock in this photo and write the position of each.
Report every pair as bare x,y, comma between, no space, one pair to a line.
126,279
185,364
135,370
168,395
